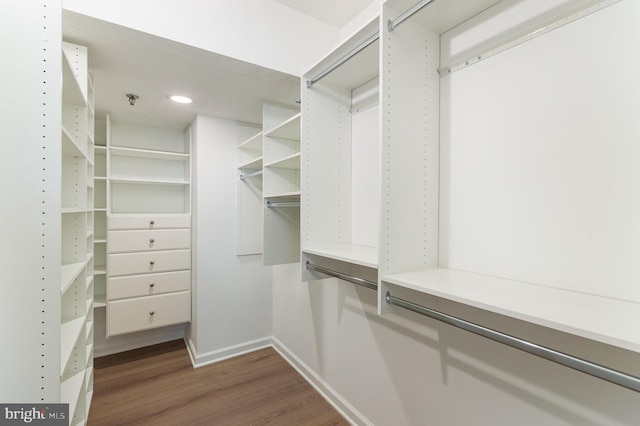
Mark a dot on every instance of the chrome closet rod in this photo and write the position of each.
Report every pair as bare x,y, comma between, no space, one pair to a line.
343,59
284,204
391,25
250,175
355,280
588,367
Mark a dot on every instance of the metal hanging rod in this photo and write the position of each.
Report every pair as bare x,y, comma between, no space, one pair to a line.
284,204
250,175
343,59
593,369
355,280
393,24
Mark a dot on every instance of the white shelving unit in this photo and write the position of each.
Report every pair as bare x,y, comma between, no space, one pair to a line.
77,218
340,158
269,187
493,202
148,232
100,216
281,179
249,191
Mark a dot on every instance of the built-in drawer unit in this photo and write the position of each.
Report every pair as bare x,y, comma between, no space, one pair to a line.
130,315
148,262
148,284
141,221
148,240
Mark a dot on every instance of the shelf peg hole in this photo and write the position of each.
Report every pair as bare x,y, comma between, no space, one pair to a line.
152,240
152,284
152,262
151,222
152,313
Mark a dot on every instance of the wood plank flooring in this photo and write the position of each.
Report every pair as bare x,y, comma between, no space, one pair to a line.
157,385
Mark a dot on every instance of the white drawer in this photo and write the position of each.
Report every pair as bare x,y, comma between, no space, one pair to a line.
123,221
129,315
148,262
148,284
146,240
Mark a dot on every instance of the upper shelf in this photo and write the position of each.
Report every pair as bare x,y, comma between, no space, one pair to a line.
351,253
254,143
361,68
603,319
289,129
148,154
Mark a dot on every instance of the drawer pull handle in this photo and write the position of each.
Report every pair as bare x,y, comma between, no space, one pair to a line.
152,240
152,285
152,313
152,262
151,222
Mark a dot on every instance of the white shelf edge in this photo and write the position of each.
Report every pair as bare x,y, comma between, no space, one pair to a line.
284,129
350,253
71,210
253,140
283,163
283,195
69,333
255,164
68,273
149,181
559,309
70,390
122,151
100,301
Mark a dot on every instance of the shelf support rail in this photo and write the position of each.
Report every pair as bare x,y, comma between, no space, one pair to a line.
355,280
343,59
393,24
250,175
284,204
584,366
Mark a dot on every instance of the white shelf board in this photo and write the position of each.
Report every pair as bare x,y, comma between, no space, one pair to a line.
68,273
283,196
290,162
358,70
89,280
611,321
254,143
442,16
350,253
71,92
148,181
88,329
71,210
254,164
69,333
101,240
100,178
289,129
70,146
100,301
70,390
99,270
148,154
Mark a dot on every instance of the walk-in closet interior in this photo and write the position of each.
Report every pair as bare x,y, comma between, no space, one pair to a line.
428,208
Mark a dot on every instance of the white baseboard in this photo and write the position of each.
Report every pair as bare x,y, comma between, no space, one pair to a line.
199,360
341,405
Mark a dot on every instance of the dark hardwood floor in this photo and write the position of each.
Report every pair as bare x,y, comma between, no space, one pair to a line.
157,385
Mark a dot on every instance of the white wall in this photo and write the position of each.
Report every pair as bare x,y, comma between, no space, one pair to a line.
262,32
232,294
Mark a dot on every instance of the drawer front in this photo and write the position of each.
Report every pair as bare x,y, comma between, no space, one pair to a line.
147,240
148,262
148,284
149,221
127,316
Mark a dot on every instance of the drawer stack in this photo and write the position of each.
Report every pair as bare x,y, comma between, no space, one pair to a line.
149,272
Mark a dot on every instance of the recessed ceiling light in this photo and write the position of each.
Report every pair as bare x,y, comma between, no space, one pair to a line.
180,99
